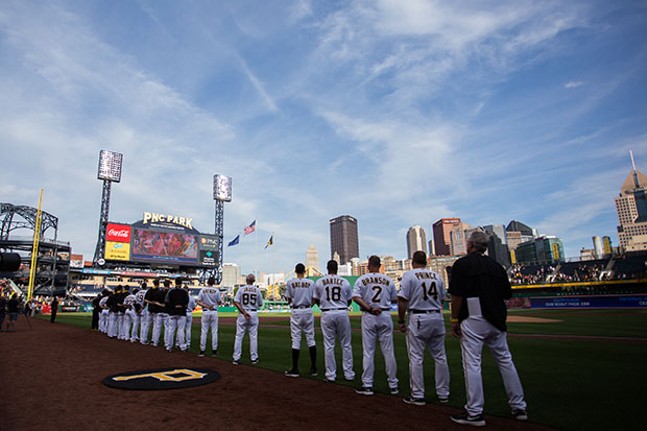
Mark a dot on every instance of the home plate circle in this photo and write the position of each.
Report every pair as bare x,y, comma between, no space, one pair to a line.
162,379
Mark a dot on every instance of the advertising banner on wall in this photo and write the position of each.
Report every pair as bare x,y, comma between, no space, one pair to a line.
117,251
592,301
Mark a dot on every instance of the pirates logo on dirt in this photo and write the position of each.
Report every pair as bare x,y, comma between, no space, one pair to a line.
162,378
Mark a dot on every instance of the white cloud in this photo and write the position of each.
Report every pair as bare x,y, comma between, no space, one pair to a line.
573,84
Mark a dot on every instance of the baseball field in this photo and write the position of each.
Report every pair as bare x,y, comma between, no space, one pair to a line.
581,369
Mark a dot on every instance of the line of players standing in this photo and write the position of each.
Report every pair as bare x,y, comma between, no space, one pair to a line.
129,316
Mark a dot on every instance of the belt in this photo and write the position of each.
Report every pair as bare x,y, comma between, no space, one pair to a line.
423,311
383,309
333,309
300,307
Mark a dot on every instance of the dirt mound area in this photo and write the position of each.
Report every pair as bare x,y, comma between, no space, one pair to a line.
51,378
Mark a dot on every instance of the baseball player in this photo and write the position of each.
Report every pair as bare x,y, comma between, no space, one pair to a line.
113,307
121,313
421,297
131,319
299,292
176,301
103,315
148,314
333,295
209,299
248,299
374,293
142,312
155,299
478,287
189,318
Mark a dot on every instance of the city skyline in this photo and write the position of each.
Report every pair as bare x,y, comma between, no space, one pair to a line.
398,113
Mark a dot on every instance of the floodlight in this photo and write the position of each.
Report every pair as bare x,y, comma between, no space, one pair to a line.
110,166
222,188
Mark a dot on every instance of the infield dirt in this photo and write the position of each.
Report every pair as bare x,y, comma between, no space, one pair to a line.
51,379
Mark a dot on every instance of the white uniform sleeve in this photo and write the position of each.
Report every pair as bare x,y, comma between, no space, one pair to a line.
260,297
357,289
405,287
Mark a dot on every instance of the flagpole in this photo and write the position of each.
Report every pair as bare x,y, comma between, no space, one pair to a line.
258,275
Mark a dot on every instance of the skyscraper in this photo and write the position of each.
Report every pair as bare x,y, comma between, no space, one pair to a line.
416,240
344,239
631,206
312,261
442,235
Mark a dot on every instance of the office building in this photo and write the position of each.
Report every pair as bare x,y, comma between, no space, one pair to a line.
545,249
631,206
230,275
416,240
312,261
344,238
442,235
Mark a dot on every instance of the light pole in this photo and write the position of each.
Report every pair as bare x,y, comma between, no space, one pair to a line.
109,171
221,194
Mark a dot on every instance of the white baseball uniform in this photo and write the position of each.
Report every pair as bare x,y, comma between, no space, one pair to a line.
378,291
103,316
210,299
299,291
145,318
334,294
424,291
189,321
250,299
131,319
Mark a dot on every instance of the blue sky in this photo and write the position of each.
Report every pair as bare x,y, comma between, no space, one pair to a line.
396,112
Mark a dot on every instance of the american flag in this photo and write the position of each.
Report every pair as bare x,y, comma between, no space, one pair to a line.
251,228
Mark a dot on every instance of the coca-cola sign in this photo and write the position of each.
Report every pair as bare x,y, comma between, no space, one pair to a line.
118,232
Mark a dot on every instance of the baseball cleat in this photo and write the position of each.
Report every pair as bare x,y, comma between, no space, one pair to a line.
443,400
520,415
327,380
201,354
364,390
414,401
313,372
235,362
254,361
291,373
466,419
214,353
394,391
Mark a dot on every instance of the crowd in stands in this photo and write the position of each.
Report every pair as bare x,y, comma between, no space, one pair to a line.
624,268
530,274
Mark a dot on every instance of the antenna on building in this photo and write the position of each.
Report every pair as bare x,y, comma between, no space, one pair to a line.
633,166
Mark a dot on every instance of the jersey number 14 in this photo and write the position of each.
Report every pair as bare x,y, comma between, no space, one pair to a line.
432,291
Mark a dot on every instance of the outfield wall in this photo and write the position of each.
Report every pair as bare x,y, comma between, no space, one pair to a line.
589,301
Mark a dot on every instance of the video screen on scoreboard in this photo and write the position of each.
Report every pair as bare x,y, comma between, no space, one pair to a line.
163,246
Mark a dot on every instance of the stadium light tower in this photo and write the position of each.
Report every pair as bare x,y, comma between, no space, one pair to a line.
221,194
109,171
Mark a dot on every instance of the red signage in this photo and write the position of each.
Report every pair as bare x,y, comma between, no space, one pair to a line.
118,232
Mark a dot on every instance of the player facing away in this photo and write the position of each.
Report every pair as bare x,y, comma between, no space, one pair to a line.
333,295
248,299
299,292
177,301
158,308
209,299
478,287
189,318
374,293
421,298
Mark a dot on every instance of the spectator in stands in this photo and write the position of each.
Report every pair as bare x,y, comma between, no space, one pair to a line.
3,308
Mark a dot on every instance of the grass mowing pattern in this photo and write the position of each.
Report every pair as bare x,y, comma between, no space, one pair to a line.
570,384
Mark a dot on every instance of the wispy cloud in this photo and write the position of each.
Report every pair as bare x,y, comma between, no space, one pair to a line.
573,84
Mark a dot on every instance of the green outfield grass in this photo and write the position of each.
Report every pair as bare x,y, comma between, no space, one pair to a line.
571,383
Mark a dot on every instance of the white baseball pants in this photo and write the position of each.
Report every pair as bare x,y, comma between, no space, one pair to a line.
427,331
208,321
175,325
131,325
374,329
159,321
336,324
250,326
302,321
478,332
146,319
